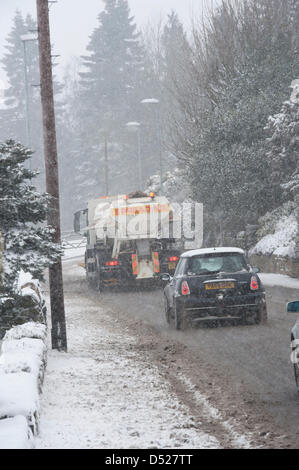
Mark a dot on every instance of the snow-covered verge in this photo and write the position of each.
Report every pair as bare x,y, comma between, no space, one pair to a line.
279,280
22,367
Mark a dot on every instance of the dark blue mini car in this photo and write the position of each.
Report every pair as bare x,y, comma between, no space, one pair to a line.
214,284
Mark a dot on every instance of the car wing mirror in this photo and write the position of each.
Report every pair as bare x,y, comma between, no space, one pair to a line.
293,307
166,277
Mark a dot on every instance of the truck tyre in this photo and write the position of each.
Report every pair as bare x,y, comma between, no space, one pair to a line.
98,280
90,283
90,280
179,318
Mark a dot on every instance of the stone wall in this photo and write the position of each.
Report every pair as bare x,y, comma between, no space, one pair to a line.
274,264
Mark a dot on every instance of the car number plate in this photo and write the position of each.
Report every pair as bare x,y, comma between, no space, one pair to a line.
171,265
219,285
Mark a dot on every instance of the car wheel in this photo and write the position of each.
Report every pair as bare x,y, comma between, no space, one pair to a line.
179,318
167,310
262,315
296,373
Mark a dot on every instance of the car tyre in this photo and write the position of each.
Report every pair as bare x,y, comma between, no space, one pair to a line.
296,373
179,318
262,315
167,310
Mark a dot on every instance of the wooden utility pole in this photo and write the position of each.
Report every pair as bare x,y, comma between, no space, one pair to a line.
58,331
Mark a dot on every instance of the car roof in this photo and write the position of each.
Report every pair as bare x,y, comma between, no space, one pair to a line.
209,251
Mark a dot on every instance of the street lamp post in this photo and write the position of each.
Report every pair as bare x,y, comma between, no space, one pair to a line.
106,164
135,127
156,102
26,38
105,134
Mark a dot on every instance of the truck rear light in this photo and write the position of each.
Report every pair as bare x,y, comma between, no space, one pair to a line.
253,283
185,288
173,258
112,263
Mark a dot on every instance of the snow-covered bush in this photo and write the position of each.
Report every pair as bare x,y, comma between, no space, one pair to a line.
268,223
277,233
26,305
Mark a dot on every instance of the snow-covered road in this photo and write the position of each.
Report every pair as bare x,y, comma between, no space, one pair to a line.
125,384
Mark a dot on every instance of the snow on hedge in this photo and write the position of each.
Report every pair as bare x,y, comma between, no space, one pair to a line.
15,434
25,346
22,366
27,330
19,396
13,362
24,350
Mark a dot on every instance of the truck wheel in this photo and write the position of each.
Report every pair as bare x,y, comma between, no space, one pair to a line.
179,318
90,281
98,283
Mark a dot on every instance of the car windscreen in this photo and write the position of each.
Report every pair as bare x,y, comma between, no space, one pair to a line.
218,262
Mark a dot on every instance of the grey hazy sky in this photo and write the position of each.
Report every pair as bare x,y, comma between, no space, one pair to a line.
72,21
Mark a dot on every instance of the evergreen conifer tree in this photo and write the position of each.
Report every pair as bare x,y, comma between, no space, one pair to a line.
110,93
13,116
283,155
23,211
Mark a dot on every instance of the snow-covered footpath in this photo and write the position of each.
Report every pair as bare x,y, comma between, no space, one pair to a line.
101,394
